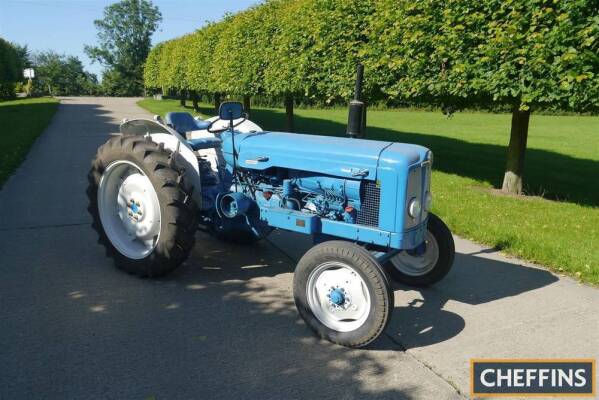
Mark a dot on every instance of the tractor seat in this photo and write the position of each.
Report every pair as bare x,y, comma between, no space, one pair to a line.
204,143
183,122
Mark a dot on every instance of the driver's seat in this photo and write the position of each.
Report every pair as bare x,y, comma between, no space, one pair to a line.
183,122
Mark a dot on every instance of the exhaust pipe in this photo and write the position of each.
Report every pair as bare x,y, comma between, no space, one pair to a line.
356,120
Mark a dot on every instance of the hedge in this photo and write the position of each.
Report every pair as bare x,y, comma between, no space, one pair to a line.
10,69
517,52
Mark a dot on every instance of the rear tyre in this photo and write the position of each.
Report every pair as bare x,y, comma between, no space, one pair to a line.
430,266
141,206
342,293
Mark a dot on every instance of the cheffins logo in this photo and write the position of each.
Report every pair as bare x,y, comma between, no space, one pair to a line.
513,377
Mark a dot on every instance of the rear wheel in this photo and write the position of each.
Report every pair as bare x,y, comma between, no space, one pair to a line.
429,263
342,293
141,205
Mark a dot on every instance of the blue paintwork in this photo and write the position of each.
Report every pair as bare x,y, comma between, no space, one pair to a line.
394,173
337,297
291,220
341,157
333,171
184,122
204,143
349,188
230,110
235,203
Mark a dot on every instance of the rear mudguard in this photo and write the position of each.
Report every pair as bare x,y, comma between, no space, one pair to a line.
173,141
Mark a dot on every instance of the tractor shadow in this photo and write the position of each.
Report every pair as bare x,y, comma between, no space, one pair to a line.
419,318
223,325
553,175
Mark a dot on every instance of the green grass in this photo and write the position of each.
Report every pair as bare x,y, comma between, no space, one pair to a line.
21,122
557,227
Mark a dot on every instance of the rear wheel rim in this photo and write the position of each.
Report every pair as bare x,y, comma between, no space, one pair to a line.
338,296
418,265
129,209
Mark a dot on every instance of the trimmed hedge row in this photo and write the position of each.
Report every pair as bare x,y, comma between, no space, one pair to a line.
9,69
523,53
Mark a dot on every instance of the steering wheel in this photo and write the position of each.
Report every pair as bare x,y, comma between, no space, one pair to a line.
245,117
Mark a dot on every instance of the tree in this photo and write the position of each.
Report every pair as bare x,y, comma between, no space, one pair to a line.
516,54
124,36
522,54
23,56
62,75
9,69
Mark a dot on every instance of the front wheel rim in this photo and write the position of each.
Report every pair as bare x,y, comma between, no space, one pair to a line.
418,265
338,296
129,209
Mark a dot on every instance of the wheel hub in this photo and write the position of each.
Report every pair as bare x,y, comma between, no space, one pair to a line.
338,296
129,209
134,209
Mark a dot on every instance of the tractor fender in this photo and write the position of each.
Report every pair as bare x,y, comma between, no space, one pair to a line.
188,158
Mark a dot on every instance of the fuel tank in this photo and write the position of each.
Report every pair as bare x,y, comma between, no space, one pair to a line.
334,156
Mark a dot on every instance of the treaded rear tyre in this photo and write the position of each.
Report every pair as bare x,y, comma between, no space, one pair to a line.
178,211
374,280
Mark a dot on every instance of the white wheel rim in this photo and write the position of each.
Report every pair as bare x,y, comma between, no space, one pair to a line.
418,265
129,209
348,286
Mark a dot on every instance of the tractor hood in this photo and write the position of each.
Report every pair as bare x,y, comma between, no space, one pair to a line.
343,157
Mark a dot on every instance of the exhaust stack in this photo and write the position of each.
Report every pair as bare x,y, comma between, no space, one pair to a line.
356,120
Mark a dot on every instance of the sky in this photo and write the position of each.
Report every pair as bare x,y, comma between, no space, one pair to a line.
66,26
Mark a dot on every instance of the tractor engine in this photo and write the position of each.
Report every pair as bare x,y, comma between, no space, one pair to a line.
365,190
328,197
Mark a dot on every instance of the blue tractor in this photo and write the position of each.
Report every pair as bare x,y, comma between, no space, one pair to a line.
366,203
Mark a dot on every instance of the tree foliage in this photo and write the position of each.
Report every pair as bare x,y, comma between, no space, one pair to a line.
10,69
62,75
124,36
520,53
517,54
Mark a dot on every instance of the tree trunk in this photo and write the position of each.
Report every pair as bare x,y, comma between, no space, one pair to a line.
195,99
246,104
182,97
217,100
512,180
289,112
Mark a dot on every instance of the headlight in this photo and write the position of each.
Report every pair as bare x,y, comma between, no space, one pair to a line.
430,157
414,208
428,201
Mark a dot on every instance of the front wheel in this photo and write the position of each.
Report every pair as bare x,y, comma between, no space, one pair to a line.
342,293
428,264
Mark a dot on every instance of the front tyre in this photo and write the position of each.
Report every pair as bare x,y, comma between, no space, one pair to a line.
427,265
141,205
342,293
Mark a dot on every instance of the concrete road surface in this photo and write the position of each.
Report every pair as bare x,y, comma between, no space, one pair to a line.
224,324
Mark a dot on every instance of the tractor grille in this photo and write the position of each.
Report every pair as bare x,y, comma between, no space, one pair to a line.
370,199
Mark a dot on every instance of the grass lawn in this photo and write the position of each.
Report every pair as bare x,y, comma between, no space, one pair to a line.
559,229
21,122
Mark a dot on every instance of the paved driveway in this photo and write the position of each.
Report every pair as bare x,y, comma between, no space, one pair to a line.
224,324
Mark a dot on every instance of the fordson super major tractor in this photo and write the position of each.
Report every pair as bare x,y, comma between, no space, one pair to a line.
366,203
